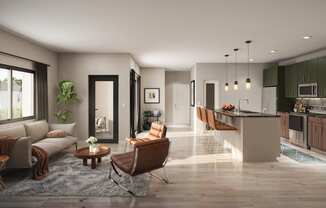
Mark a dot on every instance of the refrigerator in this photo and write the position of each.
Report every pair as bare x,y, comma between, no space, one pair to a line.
269,100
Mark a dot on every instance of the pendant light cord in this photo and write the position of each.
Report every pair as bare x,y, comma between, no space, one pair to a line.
248,58
226,68
236,63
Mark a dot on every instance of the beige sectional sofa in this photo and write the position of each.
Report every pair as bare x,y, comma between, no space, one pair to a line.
34,133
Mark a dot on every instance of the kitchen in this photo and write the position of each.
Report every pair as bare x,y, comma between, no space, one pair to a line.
300,100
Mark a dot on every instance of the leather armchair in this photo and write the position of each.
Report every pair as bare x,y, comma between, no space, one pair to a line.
146,157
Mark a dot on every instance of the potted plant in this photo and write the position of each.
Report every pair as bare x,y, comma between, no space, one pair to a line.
66,97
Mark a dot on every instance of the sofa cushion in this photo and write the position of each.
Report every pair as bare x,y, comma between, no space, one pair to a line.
68,128
56,134
15,131
37,130
55,145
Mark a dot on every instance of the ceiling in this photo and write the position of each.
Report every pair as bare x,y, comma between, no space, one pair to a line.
171,33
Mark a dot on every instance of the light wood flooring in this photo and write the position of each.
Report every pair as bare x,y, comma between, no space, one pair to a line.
203,175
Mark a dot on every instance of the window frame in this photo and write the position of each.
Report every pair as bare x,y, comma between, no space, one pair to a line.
20,69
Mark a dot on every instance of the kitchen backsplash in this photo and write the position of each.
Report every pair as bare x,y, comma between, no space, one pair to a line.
315,103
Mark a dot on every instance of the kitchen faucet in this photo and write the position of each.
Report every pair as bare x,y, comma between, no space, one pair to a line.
247,100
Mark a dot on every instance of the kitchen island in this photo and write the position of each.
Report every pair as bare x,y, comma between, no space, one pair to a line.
257,138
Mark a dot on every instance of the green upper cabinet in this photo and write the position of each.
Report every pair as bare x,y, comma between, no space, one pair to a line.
270,76
291,81
321,80
310,71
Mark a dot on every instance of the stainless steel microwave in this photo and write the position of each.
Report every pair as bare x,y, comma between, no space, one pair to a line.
308,90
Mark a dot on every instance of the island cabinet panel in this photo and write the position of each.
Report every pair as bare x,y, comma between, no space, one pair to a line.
284,119
317,133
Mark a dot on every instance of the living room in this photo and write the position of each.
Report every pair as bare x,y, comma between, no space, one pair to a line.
162,104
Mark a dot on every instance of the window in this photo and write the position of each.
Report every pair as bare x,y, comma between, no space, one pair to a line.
16,94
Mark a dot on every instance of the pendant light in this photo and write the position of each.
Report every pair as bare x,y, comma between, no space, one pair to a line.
226,87
235,86
248,81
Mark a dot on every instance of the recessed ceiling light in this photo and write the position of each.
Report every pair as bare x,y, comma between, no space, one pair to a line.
251,60
273,51
307,37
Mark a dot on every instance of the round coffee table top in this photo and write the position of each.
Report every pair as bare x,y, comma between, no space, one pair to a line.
84,153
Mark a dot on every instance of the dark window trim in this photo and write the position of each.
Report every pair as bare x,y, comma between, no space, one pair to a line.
16,68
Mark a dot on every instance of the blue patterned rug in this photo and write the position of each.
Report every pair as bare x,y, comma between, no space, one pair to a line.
68,177
299,156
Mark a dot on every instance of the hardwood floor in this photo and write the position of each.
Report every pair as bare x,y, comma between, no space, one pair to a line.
203,175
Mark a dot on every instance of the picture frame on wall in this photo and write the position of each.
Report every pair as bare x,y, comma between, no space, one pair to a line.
151,95
192,93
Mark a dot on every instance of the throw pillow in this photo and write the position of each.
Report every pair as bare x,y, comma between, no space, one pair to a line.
56,134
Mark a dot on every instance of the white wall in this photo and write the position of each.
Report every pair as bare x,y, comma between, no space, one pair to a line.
216,71
171,78
153,78
12,44
77,67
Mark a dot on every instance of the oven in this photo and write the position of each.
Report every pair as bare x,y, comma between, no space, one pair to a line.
298,129
308,90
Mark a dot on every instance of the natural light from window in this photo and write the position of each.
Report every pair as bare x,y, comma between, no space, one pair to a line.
4,94
16,93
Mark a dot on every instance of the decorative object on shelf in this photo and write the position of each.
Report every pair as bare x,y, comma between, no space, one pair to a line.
235,86
152,95
92,142
248,81
192,93
226,87
67,96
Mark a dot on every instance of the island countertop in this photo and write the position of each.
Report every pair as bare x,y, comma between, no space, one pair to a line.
244,114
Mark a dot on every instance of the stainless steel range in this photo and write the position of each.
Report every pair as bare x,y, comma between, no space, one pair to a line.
298,129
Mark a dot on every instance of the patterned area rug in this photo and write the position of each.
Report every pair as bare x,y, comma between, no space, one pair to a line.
68,177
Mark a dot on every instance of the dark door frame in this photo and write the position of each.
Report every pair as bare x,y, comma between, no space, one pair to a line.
91,105
134,78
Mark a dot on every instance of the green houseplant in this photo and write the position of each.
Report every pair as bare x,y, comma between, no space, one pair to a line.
66,97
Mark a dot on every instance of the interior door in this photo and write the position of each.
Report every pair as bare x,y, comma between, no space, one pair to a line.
180,104
103,108
210,96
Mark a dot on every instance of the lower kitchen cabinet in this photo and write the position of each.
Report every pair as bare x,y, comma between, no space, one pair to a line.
284,118
317,133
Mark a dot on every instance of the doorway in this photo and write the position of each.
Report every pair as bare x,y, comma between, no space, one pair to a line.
211,92
104,108
177,98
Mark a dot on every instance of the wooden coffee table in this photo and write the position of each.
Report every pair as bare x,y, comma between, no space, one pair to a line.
3,161
84,154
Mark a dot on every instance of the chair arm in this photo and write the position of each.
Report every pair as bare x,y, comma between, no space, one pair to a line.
21,155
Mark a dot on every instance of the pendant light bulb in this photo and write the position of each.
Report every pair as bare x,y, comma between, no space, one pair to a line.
226,87
248,83
235,86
